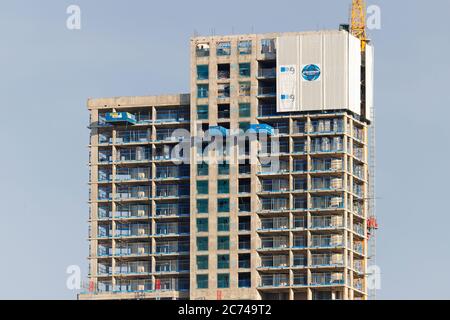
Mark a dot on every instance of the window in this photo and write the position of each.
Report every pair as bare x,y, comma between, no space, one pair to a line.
244,280
223,186
223,71
202,72
223,90
202,206
268,46
202,169
202,243
202,281
223,111
223,261
202,91
244,223
223,205
202,187
300,184
244,185
244,242
245,47
224,168
244,205
223,224
202,112
244,69
244,110
244,89
202,50
202,262
223,243
223,280
244,260
223,48
202,225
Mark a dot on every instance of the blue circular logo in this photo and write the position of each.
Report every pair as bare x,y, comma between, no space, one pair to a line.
311,72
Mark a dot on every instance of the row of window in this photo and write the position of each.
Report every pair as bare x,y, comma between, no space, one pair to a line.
223,187
223,280
223,205
224,90
244,47
223,224
223,71
223,111
223,243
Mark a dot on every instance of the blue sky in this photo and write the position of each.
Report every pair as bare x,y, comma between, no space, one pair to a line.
47,72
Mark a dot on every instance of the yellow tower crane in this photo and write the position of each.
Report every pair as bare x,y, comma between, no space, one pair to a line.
358,22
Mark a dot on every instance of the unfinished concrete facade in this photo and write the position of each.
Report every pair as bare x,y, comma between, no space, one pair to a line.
241,229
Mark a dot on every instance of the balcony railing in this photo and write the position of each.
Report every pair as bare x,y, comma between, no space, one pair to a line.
267,91
275,280
133,249
267,73
172,248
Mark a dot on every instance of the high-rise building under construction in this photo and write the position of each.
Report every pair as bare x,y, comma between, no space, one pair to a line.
288,220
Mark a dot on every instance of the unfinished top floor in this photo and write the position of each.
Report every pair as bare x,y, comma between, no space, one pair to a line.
119,103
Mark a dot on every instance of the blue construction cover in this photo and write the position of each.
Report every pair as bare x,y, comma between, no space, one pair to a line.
262,127
120,117
218,130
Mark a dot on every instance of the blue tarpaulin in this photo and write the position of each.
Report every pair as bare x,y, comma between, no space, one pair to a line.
120,117
262,128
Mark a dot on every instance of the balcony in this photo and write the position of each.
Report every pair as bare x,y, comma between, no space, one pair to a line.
132,174
172,191
131,286
327,126
274,262
267,73
170,266
274,168
172,284
327,279
132,212
166,229
327,222
300,280
327,165
267,92
327,241
276,280
274,224
125,137
133,155
171,210
132,193
299,243
170,116
105,156
358,229
275,185
276,243
172,248
327,260
133,249
327,203
268,110
274,205
327,145
133,268
172,172
299,223
133,230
